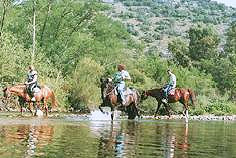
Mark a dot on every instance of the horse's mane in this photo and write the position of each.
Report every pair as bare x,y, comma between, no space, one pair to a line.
154,90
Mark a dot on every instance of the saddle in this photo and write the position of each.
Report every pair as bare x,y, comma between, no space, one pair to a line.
35,89
171,92
128,91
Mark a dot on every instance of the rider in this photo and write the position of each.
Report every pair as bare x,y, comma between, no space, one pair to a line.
32,81
169,86
119,80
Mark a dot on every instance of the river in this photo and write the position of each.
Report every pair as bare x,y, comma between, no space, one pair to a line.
87,137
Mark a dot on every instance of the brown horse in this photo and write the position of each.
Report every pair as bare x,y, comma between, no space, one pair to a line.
112,100
180,95
21,91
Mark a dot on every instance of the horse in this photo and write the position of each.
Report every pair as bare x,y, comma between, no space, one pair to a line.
21,91
112,100
180,95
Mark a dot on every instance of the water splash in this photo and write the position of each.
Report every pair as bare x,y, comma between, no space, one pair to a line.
97,115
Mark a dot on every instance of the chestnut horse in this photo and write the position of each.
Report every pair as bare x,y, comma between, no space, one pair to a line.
112,100
21,91
180,95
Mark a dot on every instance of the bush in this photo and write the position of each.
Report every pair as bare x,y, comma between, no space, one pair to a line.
84,85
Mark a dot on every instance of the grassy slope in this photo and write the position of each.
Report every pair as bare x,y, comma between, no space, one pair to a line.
156,22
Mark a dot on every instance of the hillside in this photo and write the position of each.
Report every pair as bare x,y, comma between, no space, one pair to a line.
156,22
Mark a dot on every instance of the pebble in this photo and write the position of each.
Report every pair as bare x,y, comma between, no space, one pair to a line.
199,117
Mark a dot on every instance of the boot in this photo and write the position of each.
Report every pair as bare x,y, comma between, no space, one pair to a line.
164,100
123,102
33,99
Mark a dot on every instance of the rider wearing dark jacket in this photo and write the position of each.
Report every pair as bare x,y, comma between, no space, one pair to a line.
32,81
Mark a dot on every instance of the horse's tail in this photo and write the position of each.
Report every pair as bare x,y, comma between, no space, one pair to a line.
192,96
54,101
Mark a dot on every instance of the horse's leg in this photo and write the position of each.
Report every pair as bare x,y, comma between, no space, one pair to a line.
158,107
186,112
136,111
21,108
167,109
112,113
31,107
37,107
184,107
45,106
186,119
100,108
21,103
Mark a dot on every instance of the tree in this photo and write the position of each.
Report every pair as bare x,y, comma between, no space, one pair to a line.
230,46
5,5
179,50
204,42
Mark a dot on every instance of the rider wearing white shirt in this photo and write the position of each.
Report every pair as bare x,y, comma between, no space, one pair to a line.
119,80
169,86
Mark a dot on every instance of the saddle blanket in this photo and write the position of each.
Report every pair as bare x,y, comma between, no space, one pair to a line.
36,90
171,92
127,91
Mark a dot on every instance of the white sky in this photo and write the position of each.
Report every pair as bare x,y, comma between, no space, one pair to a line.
231,3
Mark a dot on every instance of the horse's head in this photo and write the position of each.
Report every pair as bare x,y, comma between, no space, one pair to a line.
6,92
144,95
106,86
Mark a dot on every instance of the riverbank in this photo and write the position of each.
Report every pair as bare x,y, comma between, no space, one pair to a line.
101,116
173,117
199,117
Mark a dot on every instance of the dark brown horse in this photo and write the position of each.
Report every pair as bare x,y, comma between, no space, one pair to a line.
112,100
21,91
180,95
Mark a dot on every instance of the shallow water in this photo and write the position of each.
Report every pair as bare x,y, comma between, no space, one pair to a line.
85,137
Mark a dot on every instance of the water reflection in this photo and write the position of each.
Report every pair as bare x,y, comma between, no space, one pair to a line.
38,137
132,138
25,139
118,140
121,138
170,141
176,138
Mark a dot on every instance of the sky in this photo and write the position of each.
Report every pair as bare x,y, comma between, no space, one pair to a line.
231,3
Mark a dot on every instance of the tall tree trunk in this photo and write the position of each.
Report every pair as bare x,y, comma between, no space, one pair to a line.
34,33
45,22
3,16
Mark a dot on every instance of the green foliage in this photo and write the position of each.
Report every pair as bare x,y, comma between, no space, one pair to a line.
76,44
171,18
179,49
13,59
230,46
219,107
84,88
203,42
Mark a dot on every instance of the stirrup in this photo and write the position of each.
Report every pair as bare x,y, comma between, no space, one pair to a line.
123,103
164,100
33,99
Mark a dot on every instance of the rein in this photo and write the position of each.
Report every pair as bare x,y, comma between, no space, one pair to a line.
111,91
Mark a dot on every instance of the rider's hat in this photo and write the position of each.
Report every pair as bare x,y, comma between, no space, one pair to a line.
31,67
121,66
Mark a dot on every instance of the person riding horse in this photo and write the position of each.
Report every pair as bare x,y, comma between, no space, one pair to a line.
171,85
119,81
32,82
